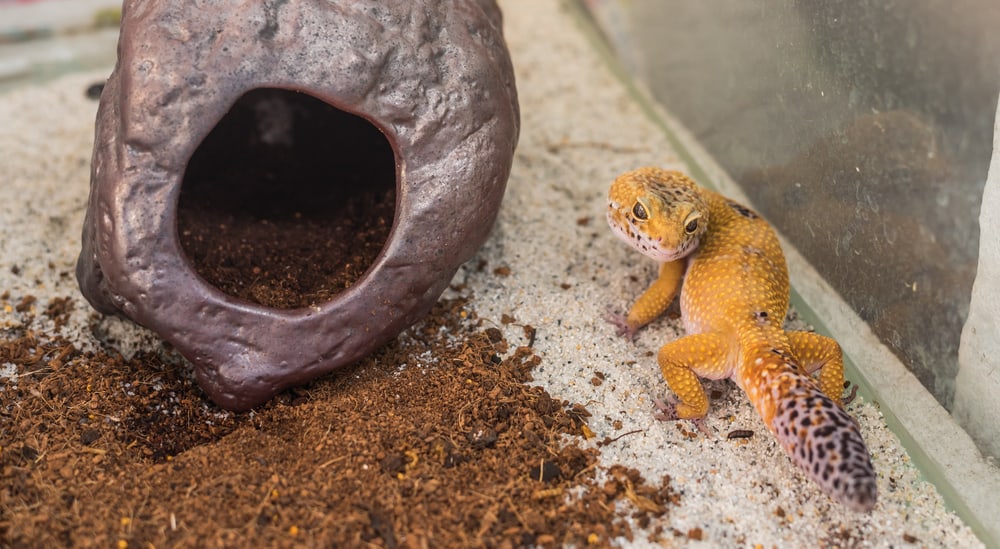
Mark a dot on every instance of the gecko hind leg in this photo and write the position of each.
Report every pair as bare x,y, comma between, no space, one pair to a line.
817,352
687,359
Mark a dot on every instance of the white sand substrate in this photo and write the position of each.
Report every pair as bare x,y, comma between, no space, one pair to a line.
580,128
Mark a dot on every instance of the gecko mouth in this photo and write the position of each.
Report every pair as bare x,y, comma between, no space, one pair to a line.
665,255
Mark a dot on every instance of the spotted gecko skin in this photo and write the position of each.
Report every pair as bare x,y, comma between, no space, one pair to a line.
733,300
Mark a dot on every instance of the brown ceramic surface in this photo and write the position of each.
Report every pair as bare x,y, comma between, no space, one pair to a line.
434,77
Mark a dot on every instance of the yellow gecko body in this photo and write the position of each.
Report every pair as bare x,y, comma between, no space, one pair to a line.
734,299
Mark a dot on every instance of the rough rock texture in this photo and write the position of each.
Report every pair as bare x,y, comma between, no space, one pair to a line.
433,76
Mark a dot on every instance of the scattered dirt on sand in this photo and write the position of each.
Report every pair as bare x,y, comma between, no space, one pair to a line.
435,440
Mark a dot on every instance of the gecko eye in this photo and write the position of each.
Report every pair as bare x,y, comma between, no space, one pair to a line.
640,211
692,226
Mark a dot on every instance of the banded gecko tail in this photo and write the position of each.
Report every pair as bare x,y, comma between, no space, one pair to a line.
817,433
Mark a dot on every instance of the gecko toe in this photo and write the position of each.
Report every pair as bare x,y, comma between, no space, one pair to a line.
620,323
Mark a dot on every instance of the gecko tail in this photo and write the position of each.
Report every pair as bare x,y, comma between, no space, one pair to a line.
825,442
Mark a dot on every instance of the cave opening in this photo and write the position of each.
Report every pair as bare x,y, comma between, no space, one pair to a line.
288,200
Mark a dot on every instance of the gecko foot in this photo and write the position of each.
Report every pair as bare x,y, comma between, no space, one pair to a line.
667,411
620,322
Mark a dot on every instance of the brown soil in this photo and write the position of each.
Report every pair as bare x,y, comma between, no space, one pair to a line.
287,261
399,450
435,440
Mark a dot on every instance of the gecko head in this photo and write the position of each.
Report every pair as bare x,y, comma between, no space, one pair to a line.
660,213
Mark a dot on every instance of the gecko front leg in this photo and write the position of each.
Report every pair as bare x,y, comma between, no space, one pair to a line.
653,302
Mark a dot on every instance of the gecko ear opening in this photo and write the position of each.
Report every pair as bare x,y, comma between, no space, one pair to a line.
287,201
